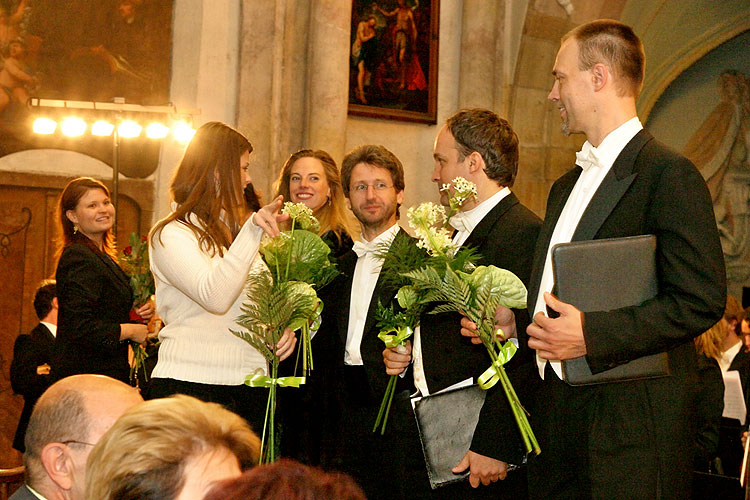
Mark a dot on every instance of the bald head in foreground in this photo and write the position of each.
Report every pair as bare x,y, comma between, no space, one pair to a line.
67,421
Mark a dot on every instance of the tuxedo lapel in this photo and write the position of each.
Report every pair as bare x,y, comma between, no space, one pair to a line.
611,190
479,234
346,265
383,293
555,204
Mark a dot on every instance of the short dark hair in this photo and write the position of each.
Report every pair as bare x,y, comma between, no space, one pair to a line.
615,44
43,298
371,154
482,131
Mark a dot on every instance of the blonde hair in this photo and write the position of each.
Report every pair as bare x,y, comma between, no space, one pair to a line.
144,454
710,342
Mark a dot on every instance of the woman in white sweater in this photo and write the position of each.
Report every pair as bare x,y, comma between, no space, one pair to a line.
201,255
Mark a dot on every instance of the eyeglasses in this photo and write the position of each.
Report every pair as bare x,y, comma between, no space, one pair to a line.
378,186
73,441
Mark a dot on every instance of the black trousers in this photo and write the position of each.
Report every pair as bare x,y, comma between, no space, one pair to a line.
247,402
602,442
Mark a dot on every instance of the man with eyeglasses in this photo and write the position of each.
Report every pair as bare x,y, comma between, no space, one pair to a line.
481,147
373,183
67,421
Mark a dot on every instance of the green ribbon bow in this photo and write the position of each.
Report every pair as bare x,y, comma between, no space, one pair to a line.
259,380
401,334
491,376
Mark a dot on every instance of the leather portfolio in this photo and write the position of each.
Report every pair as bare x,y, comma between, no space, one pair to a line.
446,423
603,275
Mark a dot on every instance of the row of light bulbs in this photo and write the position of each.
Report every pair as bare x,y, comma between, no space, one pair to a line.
75,127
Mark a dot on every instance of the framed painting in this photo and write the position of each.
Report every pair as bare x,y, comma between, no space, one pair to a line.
394,59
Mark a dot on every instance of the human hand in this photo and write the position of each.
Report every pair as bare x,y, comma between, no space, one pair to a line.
285,346
483,469
147,310
42,369
397,358
557,338
268,217
133,331
505,320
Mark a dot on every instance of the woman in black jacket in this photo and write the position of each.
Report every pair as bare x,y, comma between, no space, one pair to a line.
94,294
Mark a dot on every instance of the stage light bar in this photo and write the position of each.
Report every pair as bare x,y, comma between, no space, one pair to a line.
102,128
183,132
44,126
73,127
157,130
129,129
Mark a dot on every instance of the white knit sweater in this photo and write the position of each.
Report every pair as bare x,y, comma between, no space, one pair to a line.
198,297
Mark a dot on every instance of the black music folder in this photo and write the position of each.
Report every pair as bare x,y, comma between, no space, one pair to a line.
446,423
603,275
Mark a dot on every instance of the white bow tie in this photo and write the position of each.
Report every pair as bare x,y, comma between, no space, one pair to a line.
587,157
363,248
461,222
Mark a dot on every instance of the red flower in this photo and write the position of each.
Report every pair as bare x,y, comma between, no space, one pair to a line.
144,238
128,250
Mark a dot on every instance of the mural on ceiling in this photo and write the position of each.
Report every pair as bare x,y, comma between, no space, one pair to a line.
705,113
87,50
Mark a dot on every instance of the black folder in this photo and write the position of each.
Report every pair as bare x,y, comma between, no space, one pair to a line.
446,423
603,275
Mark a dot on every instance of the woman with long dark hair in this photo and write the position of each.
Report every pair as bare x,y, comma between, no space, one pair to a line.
201,255
312,177
94,294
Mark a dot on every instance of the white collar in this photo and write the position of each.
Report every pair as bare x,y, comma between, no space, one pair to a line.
615,142
472,218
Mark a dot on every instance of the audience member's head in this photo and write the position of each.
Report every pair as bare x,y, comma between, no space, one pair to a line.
45,300
172,448
67,421
710,343
733,315
287,480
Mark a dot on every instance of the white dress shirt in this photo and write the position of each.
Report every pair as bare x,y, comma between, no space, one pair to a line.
465,222
51,327
366,273
578,201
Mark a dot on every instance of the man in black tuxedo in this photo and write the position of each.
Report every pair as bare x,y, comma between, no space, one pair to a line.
32,353
68,420
481,147
373,183
630,439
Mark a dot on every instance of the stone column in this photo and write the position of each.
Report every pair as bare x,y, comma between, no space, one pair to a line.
328,87
478,55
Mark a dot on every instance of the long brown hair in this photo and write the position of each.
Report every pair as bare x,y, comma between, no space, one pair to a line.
67,233
333,215
207,186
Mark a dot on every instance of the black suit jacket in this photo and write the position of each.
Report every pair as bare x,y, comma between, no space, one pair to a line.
95,298
505,238
649,190
337,320
29,352
23,493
